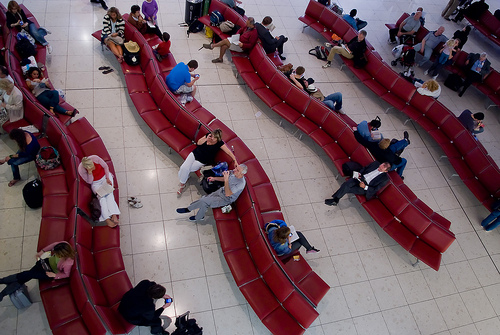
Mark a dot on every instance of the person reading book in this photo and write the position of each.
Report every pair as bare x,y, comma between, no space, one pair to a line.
354,49
94,170
284,241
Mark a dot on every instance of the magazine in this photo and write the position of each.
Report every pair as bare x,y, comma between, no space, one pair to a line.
104,190
293,234
235,39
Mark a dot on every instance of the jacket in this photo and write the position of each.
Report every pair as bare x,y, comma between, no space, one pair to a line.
472,58
268,41
140,25
137,307
14,105
13,18
377,183
88,177
119,26
63,266
248,36
280,248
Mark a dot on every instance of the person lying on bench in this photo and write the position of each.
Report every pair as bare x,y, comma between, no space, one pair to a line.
368,181
234,183
244,40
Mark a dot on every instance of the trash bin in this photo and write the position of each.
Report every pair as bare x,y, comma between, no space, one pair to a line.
193,10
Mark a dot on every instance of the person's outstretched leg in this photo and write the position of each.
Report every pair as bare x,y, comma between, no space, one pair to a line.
9,289
302,241
491,221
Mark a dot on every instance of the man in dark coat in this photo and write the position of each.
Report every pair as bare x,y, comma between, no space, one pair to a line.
368,182
138,306
478,67
270,43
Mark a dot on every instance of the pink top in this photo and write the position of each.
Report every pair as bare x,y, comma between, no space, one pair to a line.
64,265
88,177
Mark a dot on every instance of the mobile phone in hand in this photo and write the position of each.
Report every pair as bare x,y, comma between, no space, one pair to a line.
169,300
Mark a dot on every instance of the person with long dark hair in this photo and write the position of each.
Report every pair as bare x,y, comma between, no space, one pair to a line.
28,148
47,97
280,237
57,266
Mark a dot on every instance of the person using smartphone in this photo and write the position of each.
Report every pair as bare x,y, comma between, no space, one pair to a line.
138,306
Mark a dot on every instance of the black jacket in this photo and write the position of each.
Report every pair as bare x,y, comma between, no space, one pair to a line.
11,18
380,155
137,307
472,58
377,183
268,41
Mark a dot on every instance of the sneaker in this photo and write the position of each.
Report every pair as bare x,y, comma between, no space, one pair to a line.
426,72
135,204
328,45
193,219
48,31
340,111
435,77
282,57
49,49
312,251
391,42
327,65
331,202
217,60
189,98
182,210
406,137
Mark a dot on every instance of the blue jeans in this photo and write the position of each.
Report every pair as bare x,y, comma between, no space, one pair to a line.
38,33
334,99
492,221
479,131
427,53
15,162
399,167
51,99
398,146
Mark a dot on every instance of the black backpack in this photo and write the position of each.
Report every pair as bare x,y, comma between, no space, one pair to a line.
33,194
25,49
454,82
349,167
186,326
216,18
195,27
131,58
319,52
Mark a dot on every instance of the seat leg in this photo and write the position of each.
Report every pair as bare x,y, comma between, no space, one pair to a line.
415,263
408,119
342,66
441,157
453,175
388,109
169,150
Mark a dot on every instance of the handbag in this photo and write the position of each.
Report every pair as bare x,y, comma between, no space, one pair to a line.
95,208
48,158
116,39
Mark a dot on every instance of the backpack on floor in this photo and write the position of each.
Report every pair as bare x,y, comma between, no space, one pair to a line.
25,49
454,82
21,298
318,53
216,18
195,27
33,194
186,326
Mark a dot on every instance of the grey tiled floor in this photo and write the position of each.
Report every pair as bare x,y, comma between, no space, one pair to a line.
375,290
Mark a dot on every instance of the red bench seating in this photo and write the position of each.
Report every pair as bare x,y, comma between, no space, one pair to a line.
244,249
334,134
431,115
488,25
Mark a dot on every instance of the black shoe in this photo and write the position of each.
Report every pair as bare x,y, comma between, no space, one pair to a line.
182,210
461,93
103,4
406,136
331,202
95,1
282,57
402,177
193,219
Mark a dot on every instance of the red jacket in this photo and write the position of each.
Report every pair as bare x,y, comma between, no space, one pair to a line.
248,36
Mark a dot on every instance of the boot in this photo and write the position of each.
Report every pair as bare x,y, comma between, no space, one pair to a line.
8,279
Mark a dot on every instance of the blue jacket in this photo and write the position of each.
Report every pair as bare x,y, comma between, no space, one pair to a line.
352,21
281,249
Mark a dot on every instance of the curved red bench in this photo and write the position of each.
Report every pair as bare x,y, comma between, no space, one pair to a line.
86,302
475,167
488,25
287,308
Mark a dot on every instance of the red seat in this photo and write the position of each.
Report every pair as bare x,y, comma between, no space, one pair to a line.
230,235
260,297
59,305
414,220
426,254
378,212
108,262
280,322
262,258
438,237
250,226
300,309
241,266
280,85
266,197
400,234
393,199
253,80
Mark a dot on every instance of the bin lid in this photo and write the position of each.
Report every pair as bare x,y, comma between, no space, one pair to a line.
194,1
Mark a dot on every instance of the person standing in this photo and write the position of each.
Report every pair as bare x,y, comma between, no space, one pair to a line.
493,220
138,306
150,10
449,9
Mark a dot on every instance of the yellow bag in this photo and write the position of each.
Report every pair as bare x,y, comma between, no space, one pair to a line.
209,32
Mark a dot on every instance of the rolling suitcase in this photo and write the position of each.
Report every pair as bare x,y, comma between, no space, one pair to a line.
21,298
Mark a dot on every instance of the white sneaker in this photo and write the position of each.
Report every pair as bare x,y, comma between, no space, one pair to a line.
189,98
426,72
435,77
327,65
48,31
328,45
49,49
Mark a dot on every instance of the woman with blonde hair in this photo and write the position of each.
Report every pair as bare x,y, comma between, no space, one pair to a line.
16,18
446,54
206,149
57,266
113,32
11,101
94,170
430,88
